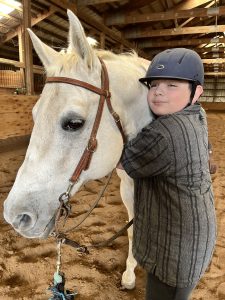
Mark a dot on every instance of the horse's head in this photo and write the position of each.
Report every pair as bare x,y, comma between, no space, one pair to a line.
63,119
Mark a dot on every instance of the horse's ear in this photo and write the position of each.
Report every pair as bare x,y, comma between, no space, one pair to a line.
46,54
78,41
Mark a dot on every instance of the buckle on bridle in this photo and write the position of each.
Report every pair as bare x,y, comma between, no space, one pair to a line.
107,94
64,197
92,145
115,116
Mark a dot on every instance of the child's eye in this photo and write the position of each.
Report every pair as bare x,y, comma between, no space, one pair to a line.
173,85
152,85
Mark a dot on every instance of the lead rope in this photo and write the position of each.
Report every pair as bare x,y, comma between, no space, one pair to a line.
93,206
58,286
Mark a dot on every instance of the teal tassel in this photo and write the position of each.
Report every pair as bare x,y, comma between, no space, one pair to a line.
58,288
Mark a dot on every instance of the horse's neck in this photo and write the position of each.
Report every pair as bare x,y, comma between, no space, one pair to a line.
133,107
138,116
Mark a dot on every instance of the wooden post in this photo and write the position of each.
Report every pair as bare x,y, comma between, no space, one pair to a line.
28,57
102,40
21,54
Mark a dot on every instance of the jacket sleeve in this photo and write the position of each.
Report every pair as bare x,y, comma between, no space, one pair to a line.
146,155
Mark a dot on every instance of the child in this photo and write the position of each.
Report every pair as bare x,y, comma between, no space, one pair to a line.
174,215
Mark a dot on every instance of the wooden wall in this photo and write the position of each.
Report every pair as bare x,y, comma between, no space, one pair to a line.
214,89
11,79
12,82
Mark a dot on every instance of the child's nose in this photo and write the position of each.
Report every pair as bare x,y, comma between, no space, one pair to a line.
159,90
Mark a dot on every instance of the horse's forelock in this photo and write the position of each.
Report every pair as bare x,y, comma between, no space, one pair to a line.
65,64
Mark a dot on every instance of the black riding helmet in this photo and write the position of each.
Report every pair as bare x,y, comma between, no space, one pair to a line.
177,63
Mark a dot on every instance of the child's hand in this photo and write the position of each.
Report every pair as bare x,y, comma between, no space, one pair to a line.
212,165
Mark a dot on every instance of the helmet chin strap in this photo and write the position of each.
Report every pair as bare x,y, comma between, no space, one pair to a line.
193,90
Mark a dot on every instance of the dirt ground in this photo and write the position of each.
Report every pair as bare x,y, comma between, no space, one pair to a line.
27,266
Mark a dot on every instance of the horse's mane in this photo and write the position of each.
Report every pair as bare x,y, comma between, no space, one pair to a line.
70,59
109,55
127,57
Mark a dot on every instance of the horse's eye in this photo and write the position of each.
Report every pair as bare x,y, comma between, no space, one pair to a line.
72,125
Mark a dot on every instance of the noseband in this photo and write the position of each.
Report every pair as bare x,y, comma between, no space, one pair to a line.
105,95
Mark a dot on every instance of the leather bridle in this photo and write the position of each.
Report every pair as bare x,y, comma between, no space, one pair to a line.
105,95
84,162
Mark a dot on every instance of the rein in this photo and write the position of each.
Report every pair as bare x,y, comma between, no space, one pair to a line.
84,162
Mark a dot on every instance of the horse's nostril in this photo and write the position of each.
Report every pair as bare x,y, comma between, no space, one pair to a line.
23,221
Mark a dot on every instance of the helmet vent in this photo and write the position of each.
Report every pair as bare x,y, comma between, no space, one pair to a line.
182,57
160,67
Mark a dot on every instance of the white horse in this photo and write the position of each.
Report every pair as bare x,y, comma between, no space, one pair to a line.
63,118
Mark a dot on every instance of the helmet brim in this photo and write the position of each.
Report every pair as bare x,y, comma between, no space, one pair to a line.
149,79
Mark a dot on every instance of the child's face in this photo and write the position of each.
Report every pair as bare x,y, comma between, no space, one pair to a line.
167,96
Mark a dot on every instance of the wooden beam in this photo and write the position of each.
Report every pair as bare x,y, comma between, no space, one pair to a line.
151,54
133,6
4,26
209,50
28,55
82,15
189,4
9,17
129,8
93,2
213,55
66,4
212,3
163,16
48,32
21,47
54,24
34,21
117,36
9,55
222,74
12,49
7,3
37,69
178,43
148,32
102,40
12,62
16,117
213,60
21,55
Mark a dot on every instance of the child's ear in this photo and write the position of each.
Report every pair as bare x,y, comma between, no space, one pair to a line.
198,92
